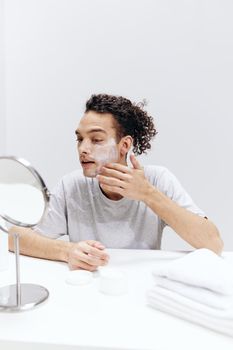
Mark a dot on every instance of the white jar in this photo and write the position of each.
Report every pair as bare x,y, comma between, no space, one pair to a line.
112,281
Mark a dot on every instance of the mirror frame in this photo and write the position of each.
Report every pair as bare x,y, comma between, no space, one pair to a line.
23,296
45,192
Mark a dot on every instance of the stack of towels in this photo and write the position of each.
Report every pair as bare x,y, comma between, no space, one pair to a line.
197,287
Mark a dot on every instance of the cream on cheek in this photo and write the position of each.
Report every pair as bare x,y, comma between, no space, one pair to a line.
105,153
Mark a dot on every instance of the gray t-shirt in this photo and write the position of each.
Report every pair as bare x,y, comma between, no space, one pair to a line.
79,208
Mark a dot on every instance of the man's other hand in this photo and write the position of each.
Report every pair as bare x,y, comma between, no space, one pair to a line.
87,255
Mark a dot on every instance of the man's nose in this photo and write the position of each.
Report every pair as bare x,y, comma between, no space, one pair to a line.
84,147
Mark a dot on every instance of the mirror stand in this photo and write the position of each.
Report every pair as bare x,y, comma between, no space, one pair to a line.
19,297
20,186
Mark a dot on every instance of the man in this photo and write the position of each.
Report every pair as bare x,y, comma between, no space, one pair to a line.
111,203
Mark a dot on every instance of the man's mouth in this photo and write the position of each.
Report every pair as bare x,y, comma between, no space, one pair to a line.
87,163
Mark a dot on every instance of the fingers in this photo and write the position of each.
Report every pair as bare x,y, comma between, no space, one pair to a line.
114,189
88,255
93,250
135,162
122,168
118,167
78,259
82,265
92,260
95,244
115,173
104,180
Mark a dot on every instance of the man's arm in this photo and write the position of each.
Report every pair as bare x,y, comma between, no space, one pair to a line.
131,183
86,255
194,229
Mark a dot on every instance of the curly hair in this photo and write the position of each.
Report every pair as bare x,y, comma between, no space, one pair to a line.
131,119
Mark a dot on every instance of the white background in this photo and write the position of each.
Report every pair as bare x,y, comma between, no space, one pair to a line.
2,83
176,54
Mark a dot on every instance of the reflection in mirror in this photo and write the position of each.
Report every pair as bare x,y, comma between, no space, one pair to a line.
14,201
23,202
22,199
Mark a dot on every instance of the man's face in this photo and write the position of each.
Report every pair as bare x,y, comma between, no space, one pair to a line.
96,142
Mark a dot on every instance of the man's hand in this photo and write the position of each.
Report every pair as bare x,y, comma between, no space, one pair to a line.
87,255
128,182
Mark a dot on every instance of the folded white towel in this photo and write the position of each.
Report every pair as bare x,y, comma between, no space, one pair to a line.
192,305
197,287
200,268
184,308
202,295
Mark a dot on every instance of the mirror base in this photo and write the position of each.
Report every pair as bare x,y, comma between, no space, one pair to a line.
31,295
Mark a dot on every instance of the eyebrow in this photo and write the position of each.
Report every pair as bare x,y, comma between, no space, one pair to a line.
77,132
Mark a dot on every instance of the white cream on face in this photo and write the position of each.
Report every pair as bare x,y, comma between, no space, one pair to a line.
105,153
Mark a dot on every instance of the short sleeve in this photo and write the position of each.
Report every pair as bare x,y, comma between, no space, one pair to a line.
54,222
171,187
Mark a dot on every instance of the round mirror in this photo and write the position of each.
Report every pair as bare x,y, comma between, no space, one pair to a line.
23,194
23,202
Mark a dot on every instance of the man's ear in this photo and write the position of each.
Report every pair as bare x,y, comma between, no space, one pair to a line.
125,145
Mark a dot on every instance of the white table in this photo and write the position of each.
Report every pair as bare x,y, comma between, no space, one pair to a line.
80,317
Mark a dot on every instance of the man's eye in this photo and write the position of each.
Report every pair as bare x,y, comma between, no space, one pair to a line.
79,140
97,140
